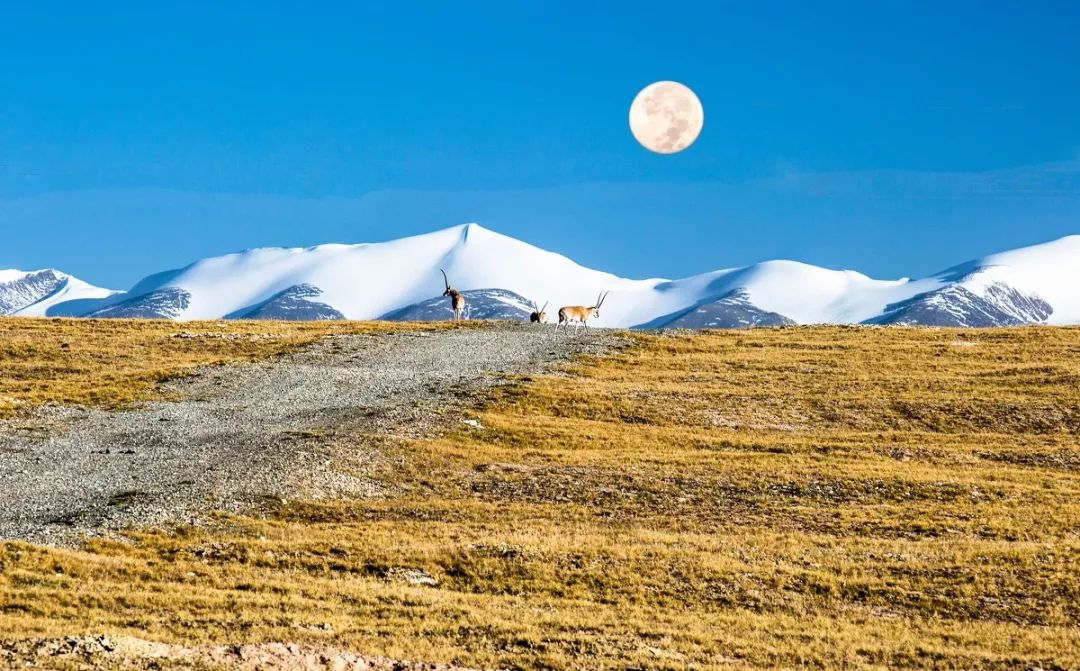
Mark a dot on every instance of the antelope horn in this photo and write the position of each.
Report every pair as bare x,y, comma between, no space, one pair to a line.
545,306
603,297
447,281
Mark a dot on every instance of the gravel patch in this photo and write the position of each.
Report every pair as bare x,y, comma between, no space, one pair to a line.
239,434
133,654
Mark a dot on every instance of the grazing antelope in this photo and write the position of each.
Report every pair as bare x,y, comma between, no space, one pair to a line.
579,314
456,299
538,314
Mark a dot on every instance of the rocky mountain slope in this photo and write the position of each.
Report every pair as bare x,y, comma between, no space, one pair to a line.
40,292
500,276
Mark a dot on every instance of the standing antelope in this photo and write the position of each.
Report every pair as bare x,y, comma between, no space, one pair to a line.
579,314
538,314
456,299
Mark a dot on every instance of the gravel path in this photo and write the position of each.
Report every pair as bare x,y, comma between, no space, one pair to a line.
241,433
132,654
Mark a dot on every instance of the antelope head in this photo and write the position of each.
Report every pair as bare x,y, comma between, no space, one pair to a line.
599,301
450,291
538,314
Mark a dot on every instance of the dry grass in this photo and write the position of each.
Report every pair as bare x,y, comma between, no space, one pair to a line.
819,497
114,362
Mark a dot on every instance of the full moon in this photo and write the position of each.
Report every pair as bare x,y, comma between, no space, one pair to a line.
666,117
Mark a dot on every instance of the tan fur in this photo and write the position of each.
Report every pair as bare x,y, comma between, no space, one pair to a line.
579,314
539,315
457,301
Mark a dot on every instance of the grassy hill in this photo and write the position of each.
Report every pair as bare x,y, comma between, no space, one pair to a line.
822,497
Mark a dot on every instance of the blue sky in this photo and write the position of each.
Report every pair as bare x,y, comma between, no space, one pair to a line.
895,138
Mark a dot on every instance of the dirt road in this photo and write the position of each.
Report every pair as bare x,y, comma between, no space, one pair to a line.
240,433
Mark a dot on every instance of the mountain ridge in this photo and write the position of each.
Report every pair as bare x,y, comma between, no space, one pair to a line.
401,277
34,293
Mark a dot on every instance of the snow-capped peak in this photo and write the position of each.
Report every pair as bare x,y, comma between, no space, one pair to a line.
1050,270
502,276
34,293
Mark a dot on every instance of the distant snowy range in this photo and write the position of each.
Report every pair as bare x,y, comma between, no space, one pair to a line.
500,276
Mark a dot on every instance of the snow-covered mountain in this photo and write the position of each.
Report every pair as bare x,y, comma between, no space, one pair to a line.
479,304
499,275
36,293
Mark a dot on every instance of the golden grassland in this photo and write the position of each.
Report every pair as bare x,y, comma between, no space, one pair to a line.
112,363
800,497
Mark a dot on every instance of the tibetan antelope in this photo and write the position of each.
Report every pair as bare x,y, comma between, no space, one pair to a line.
538,314
579,314
457,301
